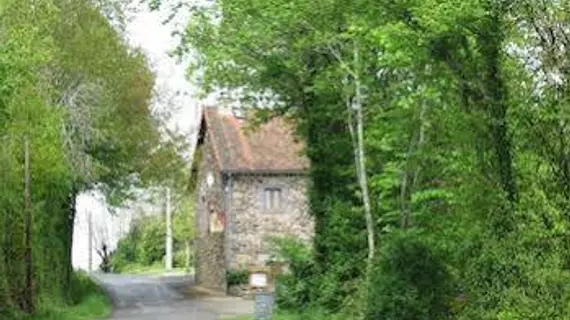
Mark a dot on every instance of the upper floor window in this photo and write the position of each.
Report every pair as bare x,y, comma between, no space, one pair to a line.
272,198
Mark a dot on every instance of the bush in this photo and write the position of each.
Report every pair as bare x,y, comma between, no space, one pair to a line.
153,243
533,284
180,259
127,251
237,277
144,244
293,291
82,286
409,281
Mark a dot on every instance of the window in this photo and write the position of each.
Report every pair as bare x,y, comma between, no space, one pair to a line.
272,198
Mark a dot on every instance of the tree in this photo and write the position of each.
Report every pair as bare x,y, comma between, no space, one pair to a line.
81,97
464,141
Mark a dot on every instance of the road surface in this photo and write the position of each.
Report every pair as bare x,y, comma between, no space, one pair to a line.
150,298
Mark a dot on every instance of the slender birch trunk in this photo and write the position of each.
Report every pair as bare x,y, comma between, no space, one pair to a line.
356,109
29,289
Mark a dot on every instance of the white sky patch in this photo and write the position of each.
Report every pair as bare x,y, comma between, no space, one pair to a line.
147,31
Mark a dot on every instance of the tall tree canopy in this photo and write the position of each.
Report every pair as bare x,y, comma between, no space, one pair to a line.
72,89
465,143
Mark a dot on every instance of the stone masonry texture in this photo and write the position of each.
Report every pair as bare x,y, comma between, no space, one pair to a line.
252,225
240,195
210,258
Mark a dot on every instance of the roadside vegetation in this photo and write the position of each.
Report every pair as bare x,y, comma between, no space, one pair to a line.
142,250
89,302
438,137
313,315
75,116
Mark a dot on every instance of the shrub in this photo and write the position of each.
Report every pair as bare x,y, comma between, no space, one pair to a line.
237,277
180,259
533,284
144,244
127,251
152,243
82,286
409,281
293,290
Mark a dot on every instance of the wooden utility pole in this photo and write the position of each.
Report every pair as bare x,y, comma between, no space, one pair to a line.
168,257
28,290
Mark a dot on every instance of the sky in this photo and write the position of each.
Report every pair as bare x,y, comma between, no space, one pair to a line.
145,30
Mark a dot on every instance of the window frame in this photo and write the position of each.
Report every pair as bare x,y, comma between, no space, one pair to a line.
265,201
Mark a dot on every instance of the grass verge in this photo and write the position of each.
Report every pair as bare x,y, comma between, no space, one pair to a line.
90,302
312,315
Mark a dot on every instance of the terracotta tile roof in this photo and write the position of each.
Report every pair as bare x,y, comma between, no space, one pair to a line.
269,148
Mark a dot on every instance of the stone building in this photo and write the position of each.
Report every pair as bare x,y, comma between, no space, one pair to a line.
251,185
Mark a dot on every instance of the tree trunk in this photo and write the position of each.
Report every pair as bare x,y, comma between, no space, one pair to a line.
360,155
408,186
363,179
69,241
491,42
29,305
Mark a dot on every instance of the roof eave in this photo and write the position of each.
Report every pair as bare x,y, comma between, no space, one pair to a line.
266,171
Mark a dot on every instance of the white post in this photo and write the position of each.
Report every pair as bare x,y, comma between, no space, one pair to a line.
168,231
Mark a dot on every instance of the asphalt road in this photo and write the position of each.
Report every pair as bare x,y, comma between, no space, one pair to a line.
150,298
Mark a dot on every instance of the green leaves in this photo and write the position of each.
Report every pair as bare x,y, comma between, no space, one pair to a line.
467,142
71,86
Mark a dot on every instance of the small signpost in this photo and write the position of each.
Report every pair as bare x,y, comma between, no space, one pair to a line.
259,279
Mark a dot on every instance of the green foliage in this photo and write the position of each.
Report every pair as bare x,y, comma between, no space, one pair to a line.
294,288
466,137
409,281
72,88
145,243
89,302
180,259
82,286
237,277
183,221
128,249
152,241
534,280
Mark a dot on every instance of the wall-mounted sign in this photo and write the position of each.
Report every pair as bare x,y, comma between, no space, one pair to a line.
259,277
258,280
217,218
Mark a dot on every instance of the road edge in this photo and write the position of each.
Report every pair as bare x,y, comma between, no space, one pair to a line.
111,295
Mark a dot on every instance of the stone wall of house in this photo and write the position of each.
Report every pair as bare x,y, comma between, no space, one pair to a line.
251,225
210,256
210,269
